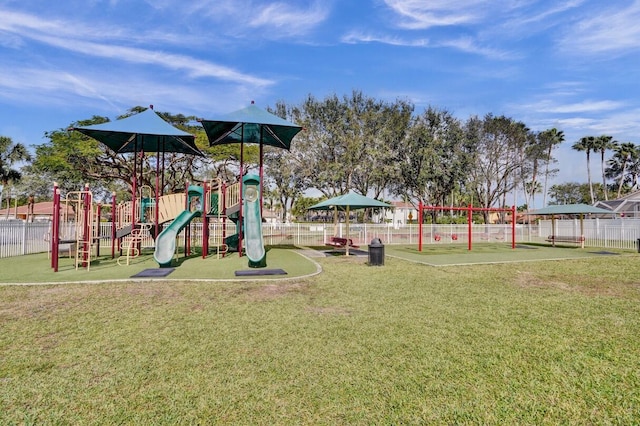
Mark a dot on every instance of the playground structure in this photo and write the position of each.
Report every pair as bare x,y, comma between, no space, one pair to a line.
213,202
470,210
78,232
148,132
134,221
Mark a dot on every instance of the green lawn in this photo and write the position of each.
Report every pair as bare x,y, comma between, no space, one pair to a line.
37,268
459,254
405,343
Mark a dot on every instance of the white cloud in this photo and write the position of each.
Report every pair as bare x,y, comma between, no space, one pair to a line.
540,16
53,88
420,14
276,20
463,44
612,30
360,37
289,20
28,26
577,107
72,37
195,68
470,45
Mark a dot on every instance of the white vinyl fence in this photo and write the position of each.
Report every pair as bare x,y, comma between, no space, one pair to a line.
19,238
606,233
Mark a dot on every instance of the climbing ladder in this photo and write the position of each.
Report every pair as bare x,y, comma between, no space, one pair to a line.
86,230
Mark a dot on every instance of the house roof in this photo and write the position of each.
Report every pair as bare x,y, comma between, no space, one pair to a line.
44,208
626,203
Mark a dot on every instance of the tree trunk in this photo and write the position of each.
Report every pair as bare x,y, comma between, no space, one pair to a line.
604,180
593,198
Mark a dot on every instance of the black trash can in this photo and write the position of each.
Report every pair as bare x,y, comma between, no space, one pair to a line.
376,252
638,244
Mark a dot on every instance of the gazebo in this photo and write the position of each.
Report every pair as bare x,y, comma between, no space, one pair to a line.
579,210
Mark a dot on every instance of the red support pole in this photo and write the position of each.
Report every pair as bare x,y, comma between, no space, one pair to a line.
513,227
98,228
224,217
469,222
55,228
187,230
419,225
261,172
157,196
113,225
205,219
134,190
240,212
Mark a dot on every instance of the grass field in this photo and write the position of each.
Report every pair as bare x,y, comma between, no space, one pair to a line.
458,254
37,268
546,342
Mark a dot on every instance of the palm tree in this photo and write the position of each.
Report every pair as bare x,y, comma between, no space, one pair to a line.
625,154
603,144
533,188
11,153
550,138
586,144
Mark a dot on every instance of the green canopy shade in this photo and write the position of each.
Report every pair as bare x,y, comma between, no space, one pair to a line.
251,125
143,132
346,202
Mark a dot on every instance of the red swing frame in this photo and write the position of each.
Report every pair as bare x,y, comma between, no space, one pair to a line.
469,209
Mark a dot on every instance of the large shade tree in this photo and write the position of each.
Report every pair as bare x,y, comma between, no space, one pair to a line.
320,150
382,127
570,193
434,158
348,143
498,164
284,174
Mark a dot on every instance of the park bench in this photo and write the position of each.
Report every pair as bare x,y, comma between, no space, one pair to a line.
565,239
340,242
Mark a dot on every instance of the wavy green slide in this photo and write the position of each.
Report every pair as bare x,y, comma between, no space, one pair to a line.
166,240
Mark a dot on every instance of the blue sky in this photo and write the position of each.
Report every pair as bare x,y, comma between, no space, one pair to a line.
574,65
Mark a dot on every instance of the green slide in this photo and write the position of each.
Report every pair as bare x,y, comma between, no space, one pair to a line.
254,246
166,240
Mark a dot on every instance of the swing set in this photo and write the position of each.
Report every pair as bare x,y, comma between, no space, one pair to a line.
470,210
